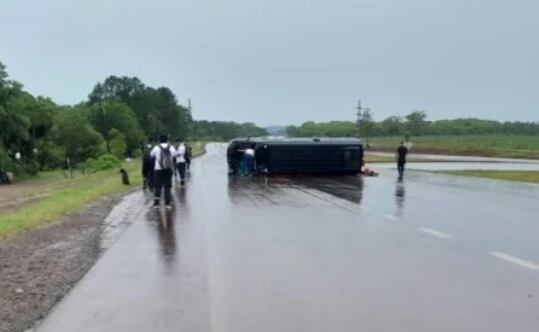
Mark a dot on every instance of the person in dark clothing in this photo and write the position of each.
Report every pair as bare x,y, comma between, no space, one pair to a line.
164,170
402,151
148,164
188,156
4,177
181,163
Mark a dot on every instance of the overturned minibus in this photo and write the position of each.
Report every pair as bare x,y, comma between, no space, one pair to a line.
298,155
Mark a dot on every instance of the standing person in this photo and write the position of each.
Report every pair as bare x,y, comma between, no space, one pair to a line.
174,160
188,156
402,151
181,163
148,165
164,169
248,159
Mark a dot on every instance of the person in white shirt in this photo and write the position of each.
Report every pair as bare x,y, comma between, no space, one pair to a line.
163,154
181,162
248,159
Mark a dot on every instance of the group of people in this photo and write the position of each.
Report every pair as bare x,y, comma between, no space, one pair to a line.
161,164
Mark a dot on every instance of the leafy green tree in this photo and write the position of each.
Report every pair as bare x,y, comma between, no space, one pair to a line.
157,110
116,115
224,131
416,123
366,124
50,155
392,126
76,135
323,129
123,89
25,121
117,145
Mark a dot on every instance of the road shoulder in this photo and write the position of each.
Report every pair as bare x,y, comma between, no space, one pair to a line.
38,267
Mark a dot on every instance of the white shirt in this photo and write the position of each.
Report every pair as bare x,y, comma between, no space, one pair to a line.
250,152
180,158
156,153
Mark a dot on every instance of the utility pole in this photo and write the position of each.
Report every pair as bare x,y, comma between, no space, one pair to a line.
359,114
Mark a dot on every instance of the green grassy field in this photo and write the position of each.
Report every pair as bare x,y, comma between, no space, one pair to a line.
65,196
373,159
520,176
62,195
506,146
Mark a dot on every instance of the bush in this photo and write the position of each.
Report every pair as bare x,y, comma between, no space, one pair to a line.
106,161
117,145
19,168
5,162
136,154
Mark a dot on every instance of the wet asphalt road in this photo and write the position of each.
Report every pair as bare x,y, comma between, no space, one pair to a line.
432,253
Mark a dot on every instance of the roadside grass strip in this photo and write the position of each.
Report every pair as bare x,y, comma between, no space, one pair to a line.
515,260
78,192
67,195
519,176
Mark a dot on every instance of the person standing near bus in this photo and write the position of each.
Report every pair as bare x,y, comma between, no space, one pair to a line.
402,152
249,160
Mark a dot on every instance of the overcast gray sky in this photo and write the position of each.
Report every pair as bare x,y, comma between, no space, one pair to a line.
286,61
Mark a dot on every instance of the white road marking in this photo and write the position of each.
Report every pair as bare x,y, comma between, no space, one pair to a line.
515,260
391,217
436,233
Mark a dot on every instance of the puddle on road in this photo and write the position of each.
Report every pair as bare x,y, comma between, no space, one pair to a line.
349,188
272,190
163,222
121,216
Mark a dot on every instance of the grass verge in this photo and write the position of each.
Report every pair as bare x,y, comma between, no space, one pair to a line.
199,148
520,176
63,195
375,158
503,146
72,195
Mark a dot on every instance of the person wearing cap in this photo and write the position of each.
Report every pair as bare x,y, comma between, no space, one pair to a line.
163,155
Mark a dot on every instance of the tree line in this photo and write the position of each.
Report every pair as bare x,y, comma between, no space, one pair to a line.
413,124
120,116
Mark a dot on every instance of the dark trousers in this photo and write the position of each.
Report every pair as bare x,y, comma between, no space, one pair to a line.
163,180
249,163
148,181
400,167
182,167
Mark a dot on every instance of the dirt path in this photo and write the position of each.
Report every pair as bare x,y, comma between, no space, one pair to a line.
18,194
37,268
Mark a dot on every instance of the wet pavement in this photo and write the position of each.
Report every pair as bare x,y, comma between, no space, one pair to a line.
431,253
